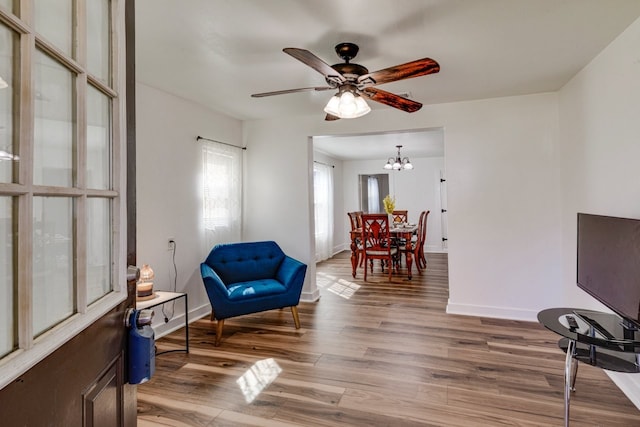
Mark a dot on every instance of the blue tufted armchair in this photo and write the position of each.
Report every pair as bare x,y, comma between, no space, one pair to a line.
249,277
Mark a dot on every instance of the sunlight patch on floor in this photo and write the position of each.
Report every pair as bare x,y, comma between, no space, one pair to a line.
333,284
258,377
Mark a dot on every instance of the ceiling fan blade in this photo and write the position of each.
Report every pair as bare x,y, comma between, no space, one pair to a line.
420,67
392,100
316,63
281,92
331,117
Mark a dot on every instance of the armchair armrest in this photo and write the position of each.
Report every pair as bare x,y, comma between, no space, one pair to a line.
291,272
214,286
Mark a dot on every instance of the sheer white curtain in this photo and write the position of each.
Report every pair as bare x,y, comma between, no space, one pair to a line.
373,192
222,194
323,206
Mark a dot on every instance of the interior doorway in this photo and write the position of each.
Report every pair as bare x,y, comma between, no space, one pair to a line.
363,155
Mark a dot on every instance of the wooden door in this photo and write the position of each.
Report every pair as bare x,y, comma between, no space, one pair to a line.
83,383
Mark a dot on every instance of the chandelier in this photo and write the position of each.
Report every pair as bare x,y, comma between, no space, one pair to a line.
399,162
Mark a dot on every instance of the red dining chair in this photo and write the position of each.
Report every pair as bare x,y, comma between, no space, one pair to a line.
417,244
400,216
376,240
422,259
355,218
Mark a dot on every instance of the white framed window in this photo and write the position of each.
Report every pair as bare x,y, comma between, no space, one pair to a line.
62,173
222,193
323,210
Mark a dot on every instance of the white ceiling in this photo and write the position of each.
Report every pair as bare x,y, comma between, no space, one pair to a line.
218,52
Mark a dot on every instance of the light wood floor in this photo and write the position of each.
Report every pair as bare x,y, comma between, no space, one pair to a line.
374,354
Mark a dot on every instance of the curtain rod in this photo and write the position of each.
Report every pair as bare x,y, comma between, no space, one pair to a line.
198,138
326,164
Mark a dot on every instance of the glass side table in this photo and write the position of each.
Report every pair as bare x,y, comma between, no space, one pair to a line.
599,340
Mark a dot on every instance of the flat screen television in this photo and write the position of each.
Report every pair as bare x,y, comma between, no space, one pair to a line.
609,263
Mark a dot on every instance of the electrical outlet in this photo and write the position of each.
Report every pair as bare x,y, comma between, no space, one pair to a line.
171,243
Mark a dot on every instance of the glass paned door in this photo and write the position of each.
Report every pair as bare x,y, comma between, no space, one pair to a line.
98,248
8,40
98,140
99,40
53,281
7,321
54,20
54,123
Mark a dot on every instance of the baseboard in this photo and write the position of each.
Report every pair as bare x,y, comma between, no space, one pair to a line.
177,322
629,384
492,312
310,296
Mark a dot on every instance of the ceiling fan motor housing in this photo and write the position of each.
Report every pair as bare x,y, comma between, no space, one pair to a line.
351,72
347,51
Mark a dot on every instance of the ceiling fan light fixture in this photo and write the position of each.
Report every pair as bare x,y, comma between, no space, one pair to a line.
347,105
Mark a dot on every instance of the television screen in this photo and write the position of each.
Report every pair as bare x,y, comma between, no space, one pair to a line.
609,262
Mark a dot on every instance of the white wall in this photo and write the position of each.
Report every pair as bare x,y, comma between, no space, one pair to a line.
169,192
503,195
599,133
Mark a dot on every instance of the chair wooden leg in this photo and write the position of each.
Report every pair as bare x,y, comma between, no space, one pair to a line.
423,259
219,327
296,318
365,269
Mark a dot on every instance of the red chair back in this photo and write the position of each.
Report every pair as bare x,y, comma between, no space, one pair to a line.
376,242
355,218
375,232
400,216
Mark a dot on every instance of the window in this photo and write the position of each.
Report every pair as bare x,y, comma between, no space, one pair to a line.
323,210
222,193
373,189
61,173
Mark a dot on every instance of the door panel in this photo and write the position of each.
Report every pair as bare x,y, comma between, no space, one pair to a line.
53,392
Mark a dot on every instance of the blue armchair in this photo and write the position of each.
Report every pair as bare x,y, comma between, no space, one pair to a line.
249,277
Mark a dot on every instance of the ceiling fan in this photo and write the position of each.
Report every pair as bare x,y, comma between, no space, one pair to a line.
354,82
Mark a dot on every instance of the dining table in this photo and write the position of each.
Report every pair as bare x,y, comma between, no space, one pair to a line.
397,232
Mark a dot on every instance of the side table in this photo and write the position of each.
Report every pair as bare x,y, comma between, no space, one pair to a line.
163,297
599,340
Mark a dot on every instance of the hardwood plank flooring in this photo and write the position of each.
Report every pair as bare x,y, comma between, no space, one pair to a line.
374,354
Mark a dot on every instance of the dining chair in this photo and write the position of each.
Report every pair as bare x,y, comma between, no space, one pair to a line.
422,258
417,245
400,216
376,241
355,218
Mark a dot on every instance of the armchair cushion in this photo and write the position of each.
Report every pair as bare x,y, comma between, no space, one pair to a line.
261,287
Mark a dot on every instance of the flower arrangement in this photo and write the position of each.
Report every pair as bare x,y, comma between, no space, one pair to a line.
389,204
